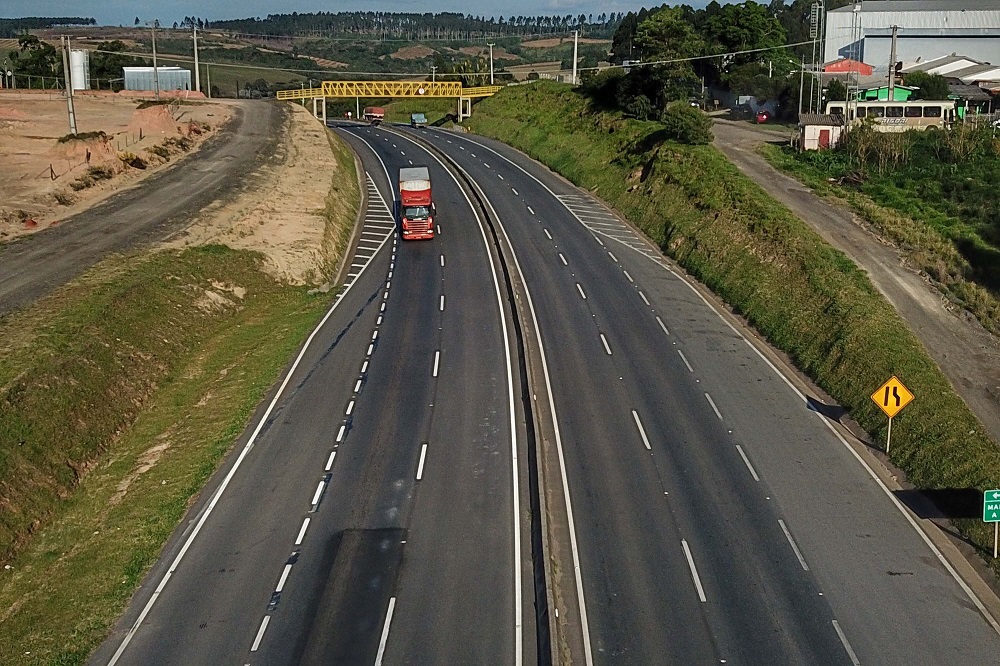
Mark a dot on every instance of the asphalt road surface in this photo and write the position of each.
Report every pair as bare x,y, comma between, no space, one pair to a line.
717,519
150,212
378,515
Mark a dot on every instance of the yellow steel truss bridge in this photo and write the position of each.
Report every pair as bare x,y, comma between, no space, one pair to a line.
377,89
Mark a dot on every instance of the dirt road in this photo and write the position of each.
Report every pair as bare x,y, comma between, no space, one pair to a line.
967,354
154,210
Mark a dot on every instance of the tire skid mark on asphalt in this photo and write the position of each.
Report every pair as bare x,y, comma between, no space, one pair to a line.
375,224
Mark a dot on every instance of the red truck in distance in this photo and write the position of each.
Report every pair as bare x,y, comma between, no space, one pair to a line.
374,114
416,207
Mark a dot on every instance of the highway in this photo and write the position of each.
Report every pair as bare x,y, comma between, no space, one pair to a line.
377,510
378,516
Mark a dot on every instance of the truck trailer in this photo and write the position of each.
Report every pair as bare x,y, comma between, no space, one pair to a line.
416,207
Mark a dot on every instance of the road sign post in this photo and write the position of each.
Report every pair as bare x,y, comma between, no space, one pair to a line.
991,514
891,398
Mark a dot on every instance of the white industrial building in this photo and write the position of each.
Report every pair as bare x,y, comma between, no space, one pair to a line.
927,29
167,78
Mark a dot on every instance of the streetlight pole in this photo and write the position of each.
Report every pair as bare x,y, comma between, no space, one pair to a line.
491,44
802,80
433,73
576,34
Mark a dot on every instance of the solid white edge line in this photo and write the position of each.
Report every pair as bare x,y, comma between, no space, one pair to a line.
284,577
607,348
437,359
684,358
329,461
846,644
694,571
515,464
642,431
746,461
791,542
302,531
714,408
385,632
420,465
260,633
217,495
580,289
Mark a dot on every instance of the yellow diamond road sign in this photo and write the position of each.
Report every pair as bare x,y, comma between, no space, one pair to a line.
892,396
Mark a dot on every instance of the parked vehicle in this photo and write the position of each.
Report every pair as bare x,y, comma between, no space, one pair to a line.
895,116
374,114
763,116
416,207
418,120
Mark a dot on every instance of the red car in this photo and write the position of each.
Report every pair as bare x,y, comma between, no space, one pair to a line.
763,116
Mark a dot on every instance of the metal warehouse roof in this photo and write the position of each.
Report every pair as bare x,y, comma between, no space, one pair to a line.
934,63
922,6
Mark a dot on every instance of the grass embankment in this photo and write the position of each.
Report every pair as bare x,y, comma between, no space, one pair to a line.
930,231
119,397
802,295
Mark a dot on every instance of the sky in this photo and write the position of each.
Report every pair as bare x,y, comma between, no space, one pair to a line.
124,12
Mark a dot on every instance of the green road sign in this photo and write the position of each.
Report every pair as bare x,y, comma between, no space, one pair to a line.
991,506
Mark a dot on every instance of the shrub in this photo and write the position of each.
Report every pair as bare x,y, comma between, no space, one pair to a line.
687,124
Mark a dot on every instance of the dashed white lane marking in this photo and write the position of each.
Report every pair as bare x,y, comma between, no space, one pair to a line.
420,465
357,385
340,434
714,408
317,494
260,633
563,259
410,161
746,461
599,240
628,276
473,155
531,210
514,191
364,366
402,153
500,176
441,306
437,360
791,542
385,628
439,229
371,347
329,461
694,571
284,577
487,165
547,233
461,147
350,407
442,260
607,348
684,358
643,297
613,257
662,325
302,531
642,431
580,289
846,644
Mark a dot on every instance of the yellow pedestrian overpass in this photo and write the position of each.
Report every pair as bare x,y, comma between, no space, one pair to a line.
391,89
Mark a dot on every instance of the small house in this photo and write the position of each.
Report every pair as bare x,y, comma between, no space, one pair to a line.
819,131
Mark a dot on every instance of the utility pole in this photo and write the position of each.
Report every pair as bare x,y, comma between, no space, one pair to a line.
156,78
197,70
802,80
822,55
68,78
208,79
892,64
576,34
491,44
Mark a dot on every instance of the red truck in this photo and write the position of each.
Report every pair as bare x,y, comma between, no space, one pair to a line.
416,208
374,114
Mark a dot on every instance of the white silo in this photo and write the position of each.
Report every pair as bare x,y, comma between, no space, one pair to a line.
79,67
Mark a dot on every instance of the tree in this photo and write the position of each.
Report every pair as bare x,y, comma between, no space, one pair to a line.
929,86
136,20
686,124
36,58
744,27
107,62
836,91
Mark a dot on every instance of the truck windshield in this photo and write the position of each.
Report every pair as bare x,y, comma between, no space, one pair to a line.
416,212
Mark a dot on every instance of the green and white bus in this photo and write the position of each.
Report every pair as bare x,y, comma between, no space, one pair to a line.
898,116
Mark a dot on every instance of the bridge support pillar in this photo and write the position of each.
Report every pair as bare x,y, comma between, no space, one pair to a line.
464,108
324,110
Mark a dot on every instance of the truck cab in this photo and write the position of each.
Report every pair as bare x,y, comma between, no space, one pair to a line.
418,120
